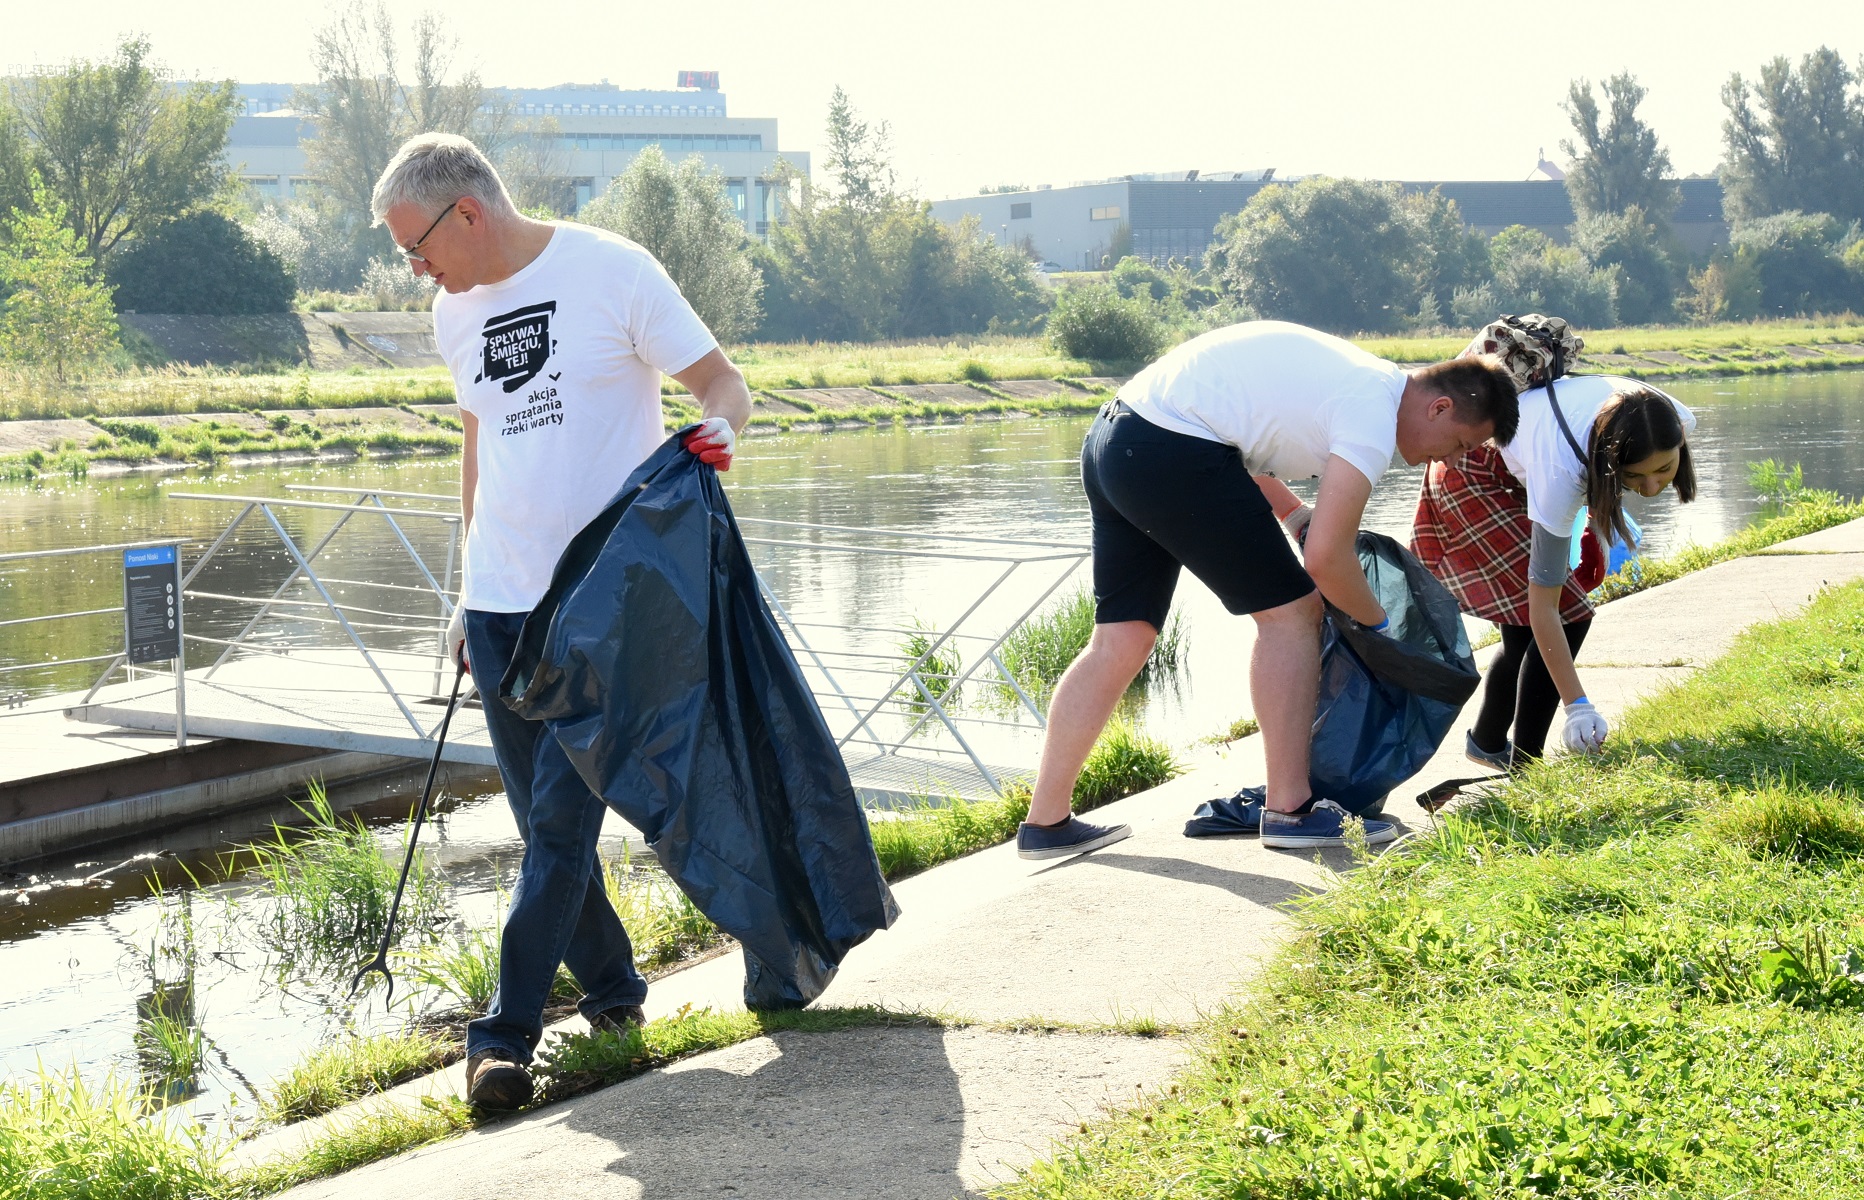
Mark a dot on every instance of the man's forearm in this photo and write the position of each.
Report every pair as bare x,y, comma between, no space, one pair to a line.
728,396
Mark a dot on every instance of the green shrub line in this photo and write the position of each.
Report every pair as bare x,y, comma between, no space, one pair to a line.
1638,975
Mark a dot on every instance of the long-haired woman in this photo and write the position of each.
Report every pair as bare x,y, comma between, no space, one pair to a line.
1496,528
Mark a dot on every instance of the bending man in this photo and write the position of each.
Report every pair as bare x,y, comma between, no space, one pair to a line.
1184,469
556,336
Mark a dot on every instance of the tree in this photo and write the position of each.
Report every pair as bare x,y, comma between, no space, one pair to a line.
1804,150
1633,244
1535,274
1621,165
15,161
56,314
1345,254
368,100
858,156
684,218
201,263
862,261
121,144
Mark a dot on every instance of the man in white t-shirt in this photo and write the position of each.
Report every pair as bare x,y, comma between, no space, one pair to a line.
1185,469
557,336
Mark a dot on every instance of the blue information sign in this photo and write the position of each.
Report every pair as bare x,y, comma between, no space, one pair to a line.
152,603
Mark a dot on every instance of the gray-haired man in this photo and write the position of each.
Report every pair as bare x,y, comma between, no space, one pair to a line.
556,336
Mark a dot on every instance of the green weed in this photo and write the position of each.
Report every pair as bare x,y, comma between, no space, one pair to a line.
352,1068
1049,642
329,886
915,838
662,921
938,669
1123,762
64,1139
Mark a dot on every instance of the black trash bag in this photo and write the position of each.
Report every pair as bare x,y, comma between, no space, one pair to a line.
1387,700
1226,815
658,668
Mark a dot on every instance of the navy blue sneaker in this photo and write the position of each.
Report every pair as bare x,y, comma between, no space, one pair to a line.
1501,760
1073,836
1322,825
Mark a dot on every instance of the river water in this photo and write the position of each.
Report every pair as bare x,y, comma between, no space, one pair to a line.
74,968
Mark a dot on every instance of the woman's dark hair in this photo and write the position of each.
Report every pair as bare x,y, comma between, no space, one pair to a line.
1632,426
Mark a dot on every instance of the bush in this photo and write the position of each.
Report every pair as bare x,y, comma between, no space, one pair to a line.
1798,265
1533,274
1346,255
1631,243
1094,322
395,287
200,263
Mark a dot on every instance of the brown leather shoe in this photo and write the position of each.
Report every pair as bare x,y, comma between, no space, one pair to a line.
495,1080
617,1020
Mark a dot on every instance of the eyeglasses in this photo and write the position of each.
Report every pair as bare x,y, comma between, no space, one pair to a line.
412,251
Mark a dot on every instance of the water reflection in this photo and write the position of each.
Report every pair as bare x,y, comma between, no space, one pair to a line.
90,975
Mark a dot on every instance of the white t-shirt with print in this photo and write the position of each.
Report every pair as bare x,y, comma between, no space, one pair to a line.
1286,396
1543,460
561,364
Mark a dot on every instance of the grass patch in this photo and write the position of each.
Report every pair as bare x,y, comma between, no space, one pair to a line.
662,921
1641,975
64,1139
925,835
1123,762
329,887
938,669
353,1068
1235,731
354,1143
1039,652
1726,349
1806,512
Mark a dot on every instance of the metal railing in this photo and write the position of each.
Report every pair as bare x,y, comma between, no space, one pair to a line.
887,687
16,701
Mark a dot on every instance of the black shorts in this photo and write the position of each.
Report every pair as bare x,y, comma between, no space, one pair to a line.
1162,500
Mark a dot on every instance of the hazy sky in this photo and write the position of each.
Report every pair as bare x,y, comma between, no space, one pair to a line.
1035,91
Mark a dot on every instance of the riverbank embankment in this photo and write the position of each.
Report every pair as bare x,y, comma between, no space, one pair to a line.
1063,991
171,418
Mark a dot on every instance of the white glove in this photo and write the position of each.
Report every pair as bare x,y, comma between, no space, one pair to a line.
713,441
453,641
1585,729
1296,523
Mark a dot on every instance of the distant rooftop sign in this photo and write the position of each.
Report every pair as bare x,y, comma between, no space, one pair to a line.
703,80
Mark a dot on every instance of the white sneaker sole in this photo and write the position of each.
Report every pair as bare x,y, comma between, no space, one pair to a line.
1300,841
1117,834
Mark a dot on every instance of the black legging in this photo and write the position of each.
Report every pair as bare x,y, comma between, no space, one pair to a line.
1519,692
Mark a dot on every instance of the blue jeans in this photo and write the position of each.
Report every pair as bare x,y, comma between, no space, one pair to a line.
559,910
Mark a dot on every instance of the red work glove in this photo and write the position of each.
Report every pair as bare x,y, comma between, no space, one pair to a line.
713,441
1591,570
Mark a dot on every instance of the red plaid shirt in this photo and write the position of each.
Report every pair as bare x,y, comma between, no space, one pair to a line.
1472,530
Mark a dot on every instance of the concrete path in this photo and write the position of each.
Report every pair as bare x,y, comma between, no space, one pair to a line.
1157,926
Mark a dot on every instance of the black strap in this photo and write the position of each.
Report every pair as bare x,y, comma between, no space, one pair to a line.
1564,427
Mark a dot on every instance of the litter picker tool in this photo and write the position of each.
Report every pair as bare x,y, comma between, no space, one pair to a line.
380,961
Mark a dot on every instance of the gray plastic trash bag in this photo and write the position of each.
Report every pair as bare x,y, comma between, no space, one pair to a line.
658,667
1387,700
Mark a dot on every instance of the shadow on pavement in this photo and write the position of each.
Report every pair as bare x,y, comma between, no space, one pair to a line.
1266,890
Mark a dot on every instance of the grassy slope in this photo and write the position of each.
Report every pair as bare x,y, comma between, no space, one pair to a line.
1633,977
1718,349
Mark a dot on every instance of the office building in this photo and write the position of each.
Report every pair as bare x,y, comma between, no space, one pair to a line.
599,128
1175,215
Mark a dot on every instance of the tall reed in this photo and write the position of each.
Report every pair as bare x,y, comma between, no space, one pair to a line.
329,886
